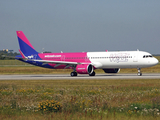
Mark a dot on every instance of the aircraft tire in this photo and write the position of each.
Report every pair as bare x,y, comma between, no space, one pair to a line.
92,74
73,74
139,74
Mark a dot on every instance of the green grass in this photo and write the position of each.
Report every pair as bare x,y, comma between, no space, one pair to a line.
31,70
80,99
13,63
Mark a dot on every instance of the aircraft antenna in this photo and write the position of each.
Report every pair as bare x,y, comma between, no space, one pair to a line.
42,50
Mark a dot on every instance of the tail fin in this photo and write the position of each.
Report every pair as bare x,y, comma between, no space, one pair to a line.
25,46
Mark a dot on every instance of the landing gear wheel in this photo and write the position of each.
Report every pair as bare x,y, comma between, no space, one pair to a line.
139,74
92,74
73,74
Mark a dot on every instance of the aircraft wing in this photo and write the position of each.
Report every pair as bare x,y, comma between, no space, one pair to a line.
57,62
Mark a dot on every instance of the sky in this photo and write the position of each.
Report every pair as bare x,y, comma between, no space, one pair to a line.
82,25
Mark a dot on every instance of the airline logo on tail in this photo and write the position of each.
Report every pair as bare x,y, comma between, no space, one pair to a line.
25,46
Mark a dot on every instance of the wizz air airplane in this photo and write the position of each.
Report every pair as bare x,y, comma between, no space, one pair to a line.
84,62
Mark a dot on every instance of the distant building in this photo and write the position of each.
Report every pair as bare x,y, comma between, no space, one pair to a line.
6,50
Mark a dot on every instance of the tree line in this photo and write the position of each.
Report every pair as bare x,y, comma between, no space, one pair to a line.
5,55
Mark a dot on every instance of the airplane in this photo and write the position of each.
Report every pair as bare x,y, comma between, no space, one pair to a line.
84,62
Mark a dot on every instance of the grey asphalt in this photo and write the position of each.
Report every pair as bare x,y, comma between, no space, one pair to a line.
81,77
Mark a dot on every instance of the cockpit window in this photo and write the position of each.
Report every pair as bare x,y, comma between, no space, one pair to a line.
147,56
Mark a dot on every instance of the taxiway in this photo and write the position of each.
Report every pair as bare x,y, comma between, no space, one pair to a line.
81,77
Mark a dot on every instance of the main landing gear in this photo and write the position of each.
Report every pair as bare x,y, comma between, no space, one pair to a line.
92,74
73,74
139,72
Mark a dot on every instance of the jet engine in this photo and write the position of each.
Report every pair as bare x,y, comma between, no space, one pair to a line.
84,69
111,70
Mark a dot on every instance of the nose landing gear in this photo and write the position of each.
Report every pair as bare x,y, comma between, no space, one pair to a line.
139,72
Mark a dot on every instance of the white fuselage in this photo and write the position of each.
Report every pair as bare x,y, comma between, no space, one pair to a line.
122,59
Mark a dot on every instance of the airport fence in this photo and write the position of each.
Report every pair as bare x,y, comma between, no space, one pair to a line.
13,63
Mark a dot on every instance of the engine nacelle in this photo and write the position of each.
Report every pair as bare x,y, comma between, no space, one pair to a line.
84,69
111,70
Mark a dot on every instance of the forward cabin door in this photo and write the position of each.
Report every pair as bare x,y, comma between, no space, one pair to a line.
135,57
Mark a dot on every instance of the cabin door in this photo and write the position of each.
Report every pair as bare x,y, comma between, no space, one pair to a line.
63,58
135,57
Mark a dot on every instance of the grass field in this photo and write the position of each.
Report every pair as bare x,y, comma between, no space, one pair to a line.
39,70
12,63
80,99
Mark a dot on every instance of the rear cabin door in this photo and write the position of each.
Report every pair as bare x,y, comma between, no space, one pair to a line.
63,58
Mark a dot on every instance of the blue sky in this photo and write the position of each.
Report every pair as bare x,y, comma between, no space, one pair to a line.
82,25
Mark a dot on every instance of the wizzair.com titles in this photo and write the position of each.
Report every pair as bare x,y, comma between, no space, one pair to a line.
52,56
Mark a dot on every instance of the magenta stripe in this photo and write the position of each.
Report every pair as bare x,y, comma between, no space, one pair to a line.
69,57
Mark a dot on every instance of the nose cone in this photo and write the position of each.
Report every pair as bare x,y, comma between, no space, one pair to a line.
155,61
